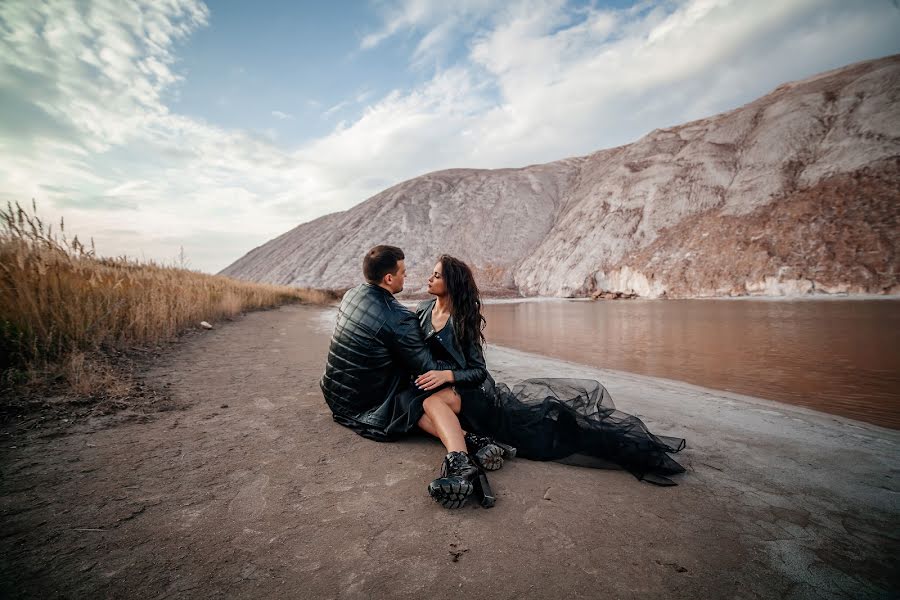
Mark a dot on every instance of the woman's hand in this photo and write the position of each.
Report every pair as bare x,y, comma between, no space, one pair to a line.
434,379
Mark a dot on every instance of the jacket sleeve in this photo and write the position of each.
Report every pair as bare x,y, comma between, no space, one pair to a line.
407,343
476,369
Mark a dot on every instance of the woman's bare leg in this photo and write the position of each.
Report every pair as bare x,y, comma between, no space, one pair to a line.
427,426
440,419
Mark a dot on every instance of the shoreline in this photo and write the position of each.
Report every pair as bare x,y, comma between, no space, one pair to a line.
805,298
486,299
410,302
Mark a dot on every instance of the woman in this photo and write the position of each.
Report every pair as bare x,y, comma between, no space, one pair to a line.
452,324
567,420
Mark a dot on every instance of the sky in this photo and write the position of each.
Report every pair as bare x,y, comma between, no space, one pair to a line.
157,125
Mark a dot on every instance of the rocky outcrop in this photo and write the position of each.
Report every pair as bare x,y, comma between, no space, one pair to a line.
797,192
838,236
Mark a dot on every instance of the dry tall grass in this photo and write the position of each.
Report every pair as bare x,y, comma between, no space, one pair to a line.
59,301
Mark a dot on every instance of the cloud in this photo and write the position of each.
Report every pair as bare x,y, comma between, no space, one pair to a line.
98,144
336,108
439,23
94,140
282,116
543,81
101,71
400,16
358,98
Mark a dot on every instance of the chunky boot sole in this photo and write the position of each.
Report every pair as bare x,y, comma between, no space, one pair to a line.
490,457
508,451
450,492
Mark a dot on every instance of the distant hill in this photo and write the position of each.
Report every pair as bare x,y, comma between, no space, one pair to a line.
797,192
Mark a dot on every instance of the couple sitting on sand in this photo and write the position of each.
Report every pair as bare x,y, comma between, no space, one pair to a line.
391,372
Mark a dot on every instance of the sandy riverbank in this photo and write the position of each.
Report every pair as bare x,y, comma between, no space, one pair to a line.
252,490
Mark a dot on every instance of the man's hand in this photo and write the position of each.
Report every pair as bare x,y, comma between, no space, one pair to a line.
434,379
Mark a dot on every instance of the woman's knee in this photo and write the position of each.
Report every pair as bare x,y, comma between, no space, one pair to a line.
446,396
431,402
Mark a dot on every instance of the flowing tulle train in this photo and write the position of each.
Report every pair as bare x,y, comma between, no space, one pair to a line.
574,421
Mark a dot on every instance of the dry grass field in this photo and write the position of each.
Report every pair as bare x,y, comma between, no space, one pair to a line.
65,313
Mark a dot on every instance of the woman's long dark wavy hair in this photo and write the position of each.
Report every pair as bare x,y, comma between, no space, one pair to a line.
465,298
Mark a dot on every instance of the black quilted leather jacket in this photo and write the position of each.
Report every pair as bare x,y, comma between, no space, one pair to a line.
469,369
376,347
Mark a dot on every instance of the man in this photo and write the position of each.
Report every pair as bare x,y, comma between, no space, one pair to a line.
376,350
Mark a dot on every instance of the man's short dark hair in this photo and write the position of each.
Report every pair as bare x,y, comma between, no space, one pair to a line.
381,260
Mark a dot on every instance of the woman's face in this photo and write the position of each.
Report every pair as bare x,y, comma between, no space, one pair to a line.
436,284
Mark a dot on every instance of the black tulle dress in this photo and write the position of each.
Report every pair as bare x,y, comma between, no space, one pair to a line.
572,421
566,420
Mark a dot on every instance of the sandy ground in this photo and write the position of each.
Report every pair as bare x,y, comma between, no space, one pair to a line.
253,491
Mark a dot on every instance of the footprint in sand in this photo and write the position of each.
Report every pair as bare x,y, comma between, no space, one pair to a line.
250,502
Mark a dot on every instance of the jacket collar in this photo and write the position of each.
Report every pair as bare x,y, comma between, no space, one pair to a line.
378,288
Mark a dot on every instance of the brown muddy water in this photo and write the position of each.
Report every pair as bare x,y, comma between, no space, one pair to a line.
837,356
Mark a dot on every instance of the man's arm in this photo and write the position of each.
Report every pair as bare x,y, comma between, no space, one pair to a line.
407,343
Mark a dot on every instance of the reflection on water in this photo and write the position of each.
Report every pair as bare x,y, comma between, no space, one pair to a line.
841,357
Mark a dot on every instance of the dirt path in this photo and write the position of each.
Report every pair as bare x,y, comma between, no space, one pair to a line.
253,491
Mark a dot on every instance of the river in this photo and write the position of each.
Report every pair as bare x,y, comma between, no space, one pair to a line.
837,356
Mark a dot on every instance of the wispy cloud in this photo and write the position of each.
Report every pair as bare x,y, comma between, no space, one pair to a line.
282,116
359,98
94,139
437,23
336,108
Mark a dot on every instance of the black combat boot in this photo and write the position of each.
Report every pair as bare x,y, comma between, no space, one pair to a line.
487,452
457,481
